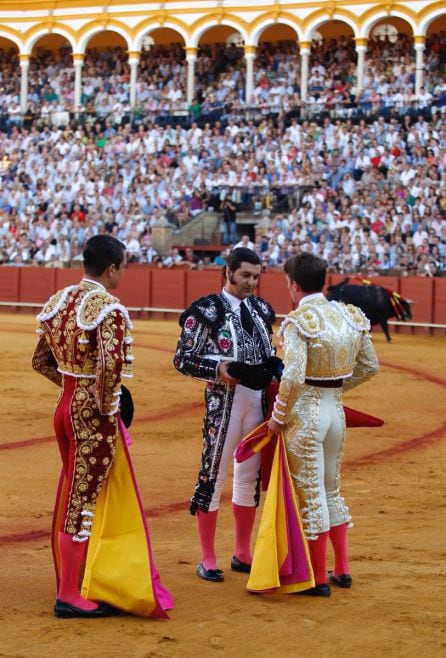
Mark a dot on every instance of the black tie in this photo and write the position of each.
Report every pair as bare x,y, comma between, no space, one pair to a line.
246,319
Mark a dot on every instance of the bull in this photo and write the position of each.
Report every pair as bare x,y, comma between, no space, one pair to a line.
378,303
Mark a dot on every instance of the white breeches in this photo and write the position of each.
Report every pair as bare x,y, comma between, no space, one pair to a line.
315,439
246,415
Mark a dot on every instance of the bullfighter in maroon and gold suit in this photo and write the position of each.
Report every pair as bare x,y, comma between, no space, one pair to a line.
85,347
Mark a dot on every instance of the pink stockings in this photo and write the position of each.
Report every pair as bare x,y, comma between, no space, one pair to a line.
338,538
71,558
318,553
244,518
206,525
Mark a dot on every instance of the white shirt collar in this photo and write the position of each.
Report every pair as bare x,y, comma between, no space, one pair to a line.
95,283
234,301
311,298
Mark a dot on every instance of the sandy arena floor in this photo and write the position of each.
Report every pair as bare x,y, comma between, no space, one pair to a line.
393,483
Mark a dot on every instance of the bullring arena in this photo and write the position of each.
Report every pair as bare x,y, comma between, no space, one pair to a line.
324,124
393,481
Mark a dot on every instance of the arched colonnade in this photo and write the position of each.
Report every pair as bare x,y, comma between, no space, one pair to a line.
79,33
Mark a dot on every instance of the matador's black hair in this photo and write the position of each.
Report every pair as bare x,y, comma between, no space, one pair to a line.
101,251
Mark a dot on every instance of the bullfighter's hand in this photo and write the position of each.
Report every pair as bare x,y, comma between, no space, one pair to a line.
274,427
223,374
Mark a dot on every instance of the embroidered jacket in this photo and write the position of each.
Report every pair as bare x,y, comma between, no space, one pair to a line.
85,333
212,332
323,341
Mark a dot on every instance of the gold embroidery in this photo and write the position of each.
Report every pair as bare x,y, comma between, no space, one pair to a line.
337,347
299,438
293,376
335,319
302,450
92,304
75,348
111,358
95,447
44,362
52,302
366,366
308,319
358,316
334,335
96,355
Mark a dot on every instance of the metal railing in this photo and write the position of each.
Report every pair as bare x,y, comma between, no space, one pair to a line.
302,110
178,311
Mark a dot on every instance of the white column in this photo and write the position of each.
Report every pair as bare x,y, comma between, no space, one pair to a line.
305,49
250,54
361,49
191,58
24,70
419,63
78,62
133,63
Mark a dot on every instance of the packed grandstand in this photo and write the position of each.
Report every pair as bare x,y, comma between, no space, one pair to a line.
353,172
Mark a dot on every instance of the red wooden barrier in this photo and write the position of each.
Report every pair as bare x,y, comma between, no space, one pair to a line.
68,276
334,279
390,282
273,289
168,288
176,289
37,284
439,309
9,284
421,291
134,288
198,285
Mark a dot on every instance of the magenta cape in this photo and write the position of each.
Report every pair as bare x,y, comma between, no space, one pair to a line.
354,418
281,561
119,567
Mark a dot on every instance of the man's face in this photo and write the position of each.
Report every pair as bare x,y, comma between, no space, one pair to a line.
243,281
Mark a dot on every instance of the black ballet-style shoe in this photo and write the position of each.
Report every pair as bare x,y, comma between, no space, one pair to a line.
317,590
66,611
237,565
344,580
213,575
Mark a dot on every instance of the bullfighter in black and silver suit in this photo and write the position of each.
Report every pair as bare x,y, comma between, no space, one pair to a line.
218,334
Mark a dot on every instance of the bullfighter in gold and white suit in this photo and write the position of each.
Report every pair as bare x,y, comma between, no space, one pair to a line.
327,350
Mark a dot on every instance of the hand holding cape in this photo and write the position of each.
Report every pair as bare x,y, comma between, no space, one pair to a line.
281,561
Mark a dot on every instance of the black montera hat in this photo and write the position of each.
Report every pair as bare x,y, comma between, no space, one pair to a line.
259,376
126,406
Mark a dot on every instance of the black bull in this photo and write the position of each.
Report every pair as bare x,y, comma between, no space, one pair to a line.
378,303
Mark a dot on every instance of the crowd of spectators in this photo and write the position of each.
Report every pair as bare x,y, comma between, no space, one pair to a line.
367,194
389,81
